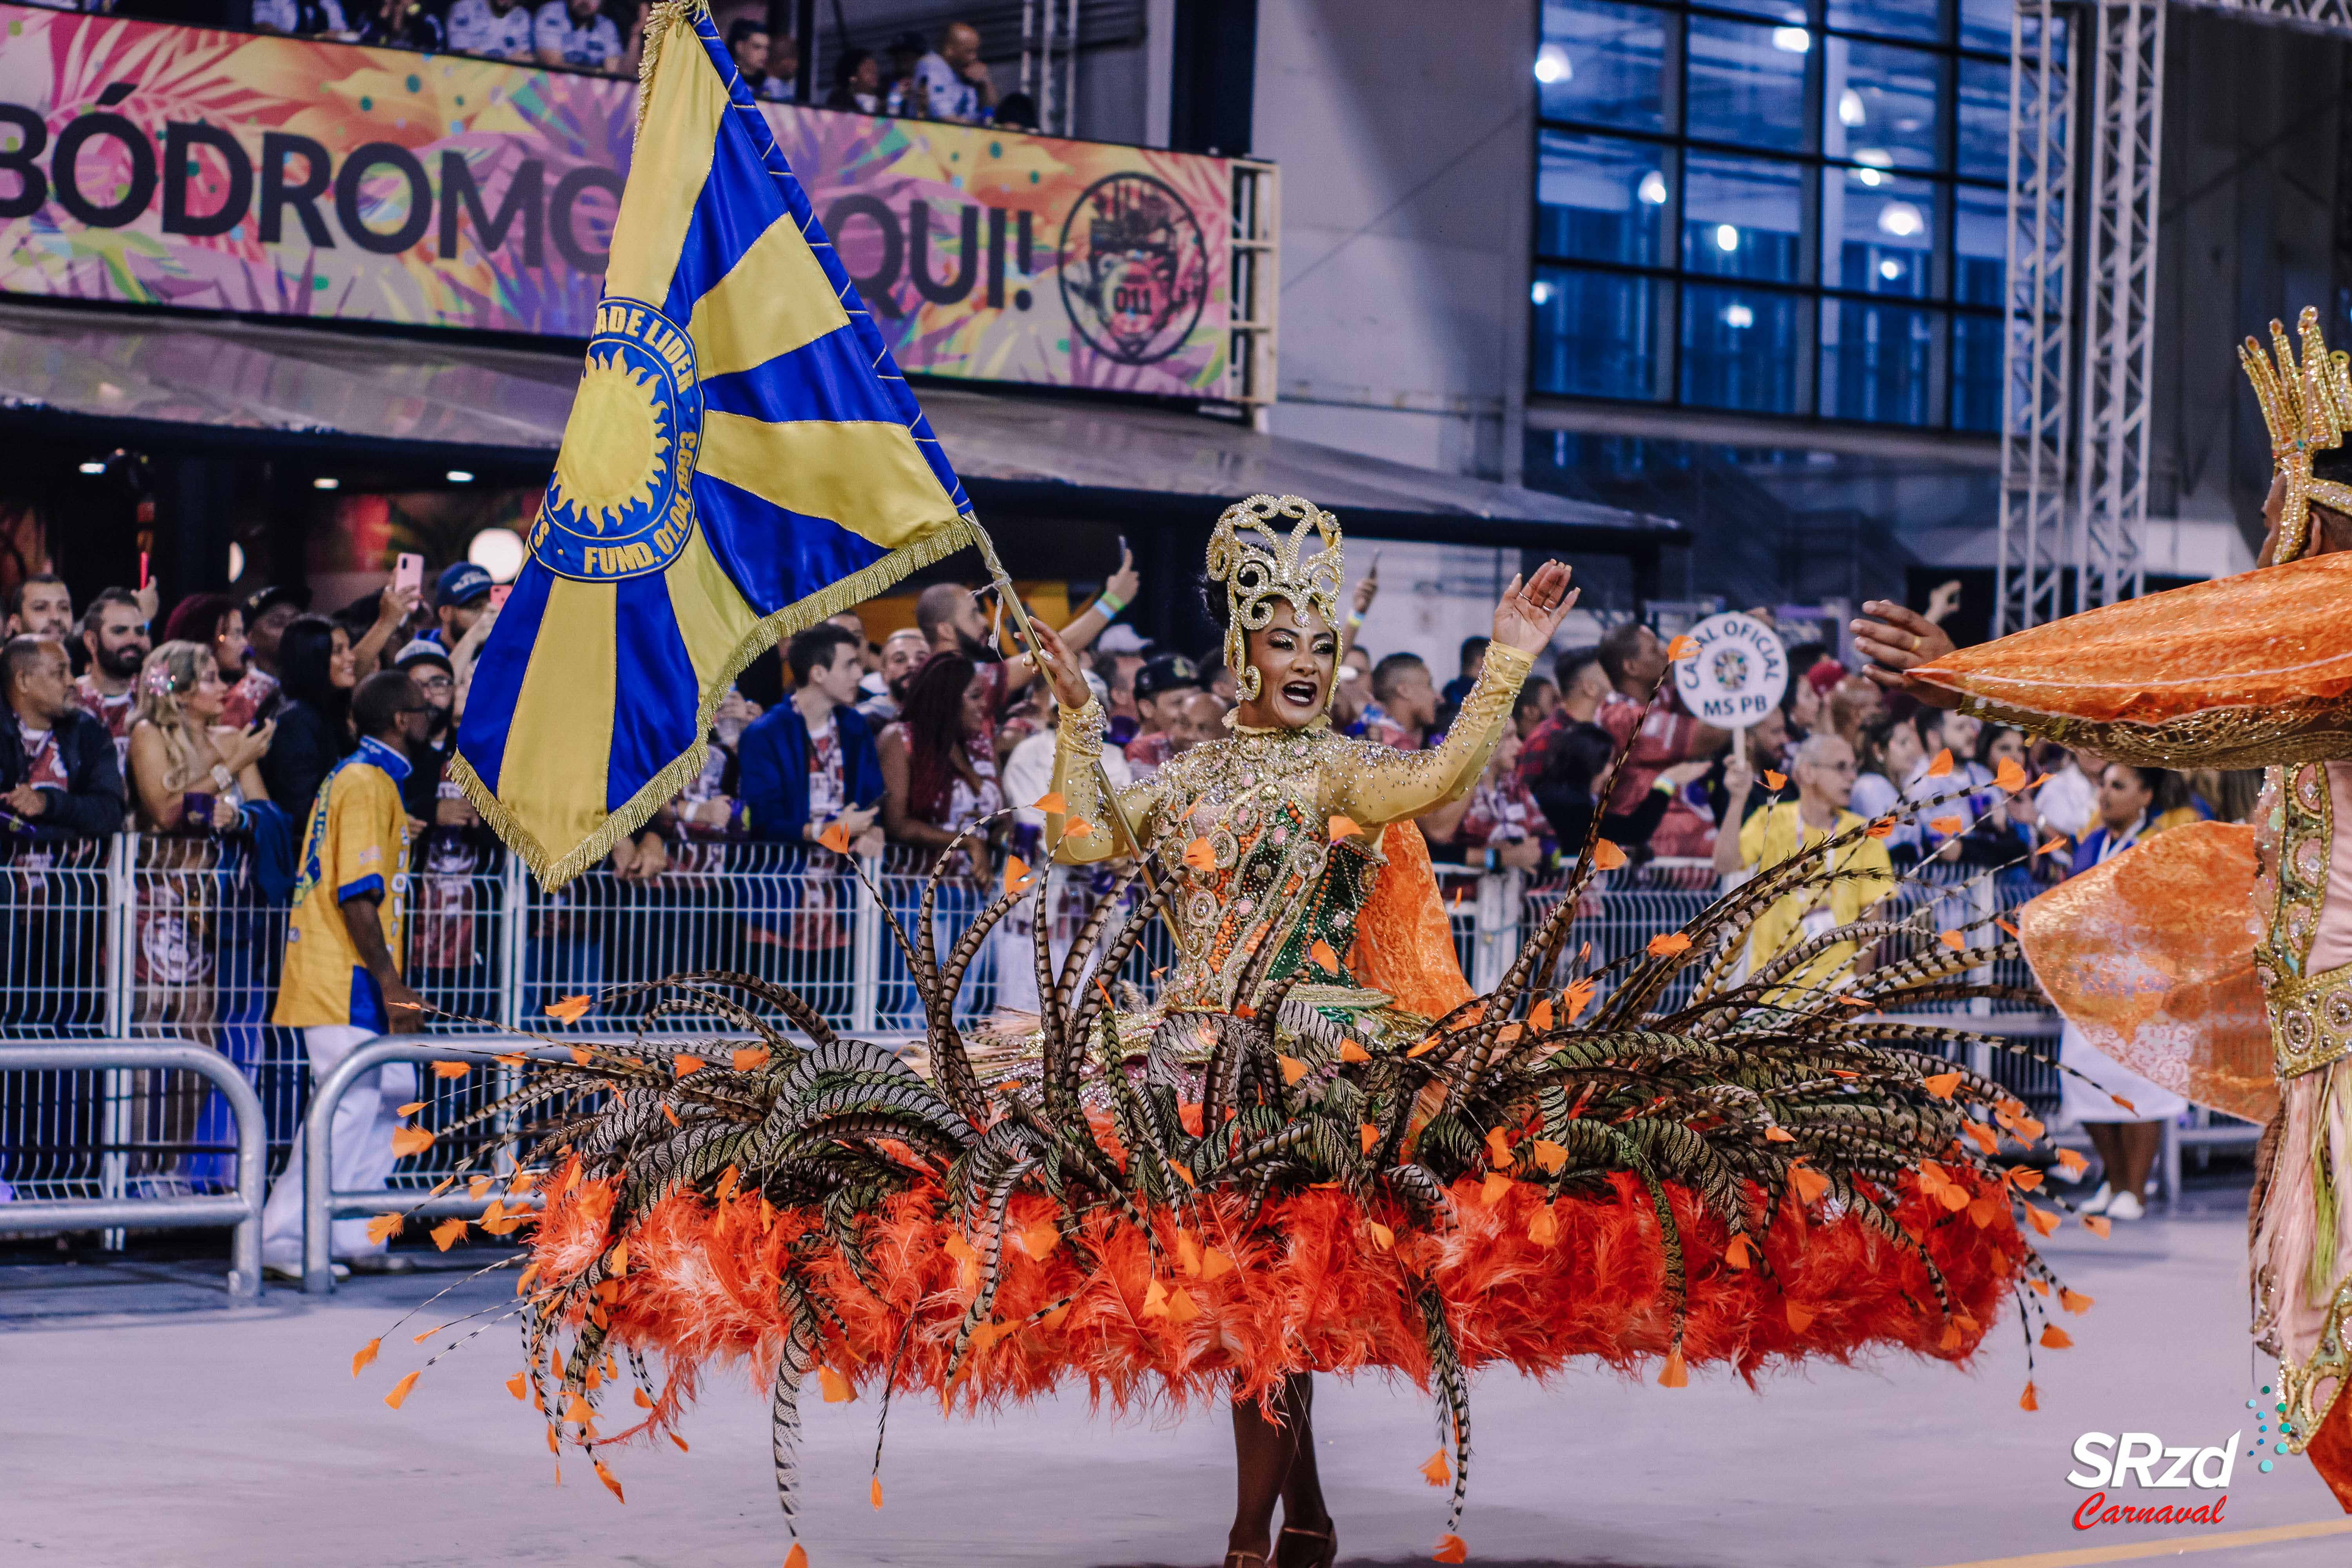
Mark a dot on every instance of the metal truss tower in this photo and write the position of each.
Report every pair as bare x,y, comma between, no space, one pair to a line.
2074,491
2037,431
2127,129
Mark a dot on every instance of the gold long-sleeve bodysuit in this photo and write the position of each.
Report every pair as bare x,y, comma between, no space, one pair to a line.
1264,801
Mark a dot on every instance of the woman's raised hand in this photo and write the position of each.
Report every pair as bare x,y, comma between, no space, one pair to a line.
1070,688
1531,610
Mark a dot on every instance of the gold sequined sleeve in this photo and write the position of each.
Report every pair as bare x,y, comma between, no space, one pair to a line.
1077,747
1374,785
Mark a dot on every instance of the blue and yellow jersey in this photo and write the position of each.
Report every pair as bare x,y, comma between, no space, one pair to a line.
356,846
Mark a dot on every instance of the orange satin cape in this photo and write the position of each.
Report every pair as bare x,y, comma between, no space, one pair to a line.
2241,671
1404,944
2151,956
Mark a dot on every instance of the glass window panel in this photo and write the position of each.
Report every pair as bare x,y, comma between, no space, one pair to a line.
1600,199
1980,246
1984,24
1881,105
1878,232
1984,119
1975,373
1789,11
1747,83
1603,64
1596,334
1876,362
1742,216
1740,348
1902,18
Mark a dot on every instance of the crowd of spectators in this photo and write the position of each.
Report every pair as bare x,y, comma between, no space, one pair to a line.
600,35
217,744
937,76
243,709
231,722
227,729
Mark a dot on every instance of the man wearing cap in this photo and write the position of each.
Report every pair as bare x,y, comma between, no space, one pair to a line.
460,594
1161,687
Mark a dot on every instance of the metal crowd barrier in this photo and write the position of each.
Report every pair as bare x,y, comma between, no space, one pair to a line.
174,938
323,1203
114,1203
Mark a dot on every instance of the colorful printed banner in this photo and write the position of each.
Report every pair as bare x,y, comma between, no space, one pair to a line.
152,164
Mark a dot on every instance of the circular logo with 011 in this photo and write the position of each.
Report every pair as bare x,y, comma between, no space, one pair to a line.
621,503
1134,268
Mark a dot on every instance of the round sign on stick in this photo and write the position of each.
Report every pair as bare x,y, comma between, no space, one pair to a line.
1737,675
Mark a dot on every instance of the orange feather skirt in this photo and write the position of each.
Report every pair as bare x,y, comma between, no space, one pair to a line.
1315,1284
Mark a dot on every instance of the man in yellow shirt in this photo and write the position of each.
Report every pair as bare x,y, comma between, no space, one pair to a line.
1825,770
342,985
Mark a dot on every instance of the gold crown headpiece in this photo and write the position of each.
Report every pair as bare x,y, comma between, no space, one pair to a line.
1257,565
2308,407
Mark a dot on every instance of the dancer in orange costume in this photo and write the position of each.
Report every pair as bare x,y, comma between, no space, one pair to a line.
2150,954
1307,848
1316,1150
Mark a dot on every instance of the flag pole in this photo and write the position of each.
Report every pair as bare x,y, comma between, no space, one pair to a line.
1004,590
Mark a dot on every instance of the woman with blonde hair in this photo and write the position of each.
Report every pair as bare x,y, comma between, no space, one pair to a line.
190,779
180,756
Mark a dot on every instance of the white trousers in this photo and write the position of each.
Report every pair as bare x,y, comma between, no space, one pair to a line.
362,1147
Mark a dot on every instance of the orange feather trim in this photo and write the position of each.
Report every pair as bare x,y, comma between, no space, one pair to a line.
1309,1294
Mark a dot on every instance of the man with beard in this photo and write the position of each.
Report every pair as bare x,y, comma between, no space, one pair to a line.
951,620
42,606
114,636
903,653
461,595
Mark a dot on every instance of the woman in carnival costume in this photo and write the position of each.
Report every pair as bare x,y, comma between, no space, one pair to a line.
2215,961
1318,1150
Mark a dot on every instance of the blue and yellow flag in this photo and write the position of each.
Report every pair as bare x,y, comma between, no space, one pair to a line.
743,460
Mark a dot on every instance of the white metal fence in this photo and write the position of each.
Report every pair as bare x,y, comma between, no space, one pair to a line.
164,937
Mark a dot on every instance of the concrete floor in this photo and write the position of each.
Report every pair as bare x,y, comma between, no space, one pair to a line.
149,1425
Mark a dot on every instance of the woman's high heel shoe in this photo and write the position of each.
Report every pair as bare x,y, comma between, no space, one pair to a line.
1328,1535
1245,1559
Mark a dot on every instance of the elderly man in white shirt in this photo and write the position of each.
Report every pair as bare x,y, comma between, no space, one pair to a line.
956,84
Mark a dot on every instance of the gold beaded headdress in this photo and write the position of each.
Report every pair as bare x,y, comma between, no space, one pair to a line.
1248,554
2308,407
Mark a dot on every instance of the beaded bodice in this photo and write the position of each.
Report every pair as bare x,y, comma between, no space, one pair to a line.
1271,836
1255,867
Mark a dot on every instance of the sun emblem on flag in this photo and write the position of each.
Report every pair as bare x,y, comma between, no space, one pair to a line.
621,501
615,446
